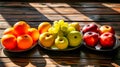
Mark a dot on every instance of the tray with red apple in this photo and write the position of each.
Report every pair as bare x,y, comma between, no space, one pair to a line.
60,36
101,38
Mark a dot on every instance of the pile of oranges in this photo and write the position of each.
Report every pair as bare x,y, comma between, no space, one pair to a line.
20,36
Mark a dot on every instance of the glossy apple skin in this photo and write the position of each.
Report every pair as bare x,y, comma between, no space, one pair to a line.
43,27
106,28
107,40
90,27
61,42
91,38
47,39
74,38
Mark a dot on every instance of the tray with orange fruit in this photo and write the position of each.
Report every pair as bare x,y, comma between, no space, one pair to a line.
21,37
60,36
102,38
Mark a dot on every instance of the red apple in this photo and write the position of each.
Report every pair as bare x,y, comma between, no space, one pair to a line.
91,38
106,28
107,40
90,27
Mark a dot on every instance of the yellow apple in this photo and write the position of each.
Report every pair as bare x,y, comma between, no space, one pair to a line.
75,25
61,42
47,39
43,27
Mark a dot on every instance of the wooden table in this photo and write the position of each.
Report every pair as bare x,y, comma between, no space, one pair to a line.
35,13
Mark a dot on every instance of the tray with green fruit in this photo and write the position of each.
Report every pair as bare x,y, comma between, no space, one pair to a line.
101,38
60,36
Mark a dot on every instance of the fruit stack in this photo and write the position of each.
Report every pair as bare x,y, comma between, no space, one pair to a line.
103,35
60,35
19,37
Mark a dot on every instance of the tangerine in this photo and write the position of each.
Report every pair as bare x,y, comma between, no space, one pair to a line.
34,33
21,27
10,31
9,41
24,41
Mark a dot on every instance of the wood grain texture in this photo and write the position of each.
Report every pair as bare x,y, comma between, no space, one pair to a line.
68,12
46,62
36,13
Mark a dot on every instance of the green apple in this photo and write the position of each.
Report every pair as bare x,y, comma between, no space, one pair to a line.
47,39
75,25
61,42
74,38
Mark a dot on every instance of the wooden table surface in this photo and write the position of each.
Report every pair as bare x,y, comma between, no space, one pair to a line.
35,13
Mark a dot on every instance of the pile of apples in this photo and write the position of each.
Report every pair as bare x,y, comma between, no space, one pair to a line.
60,34
103,35
19,37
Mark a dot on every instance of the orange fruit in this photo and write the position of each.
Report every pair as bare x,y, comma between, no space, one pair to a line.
10,31
24,41
9,41
21,27
43,27
34,33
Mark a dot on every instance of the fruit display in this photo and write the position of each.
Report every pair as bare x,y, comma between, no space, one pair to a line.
60,35
99,38
20,37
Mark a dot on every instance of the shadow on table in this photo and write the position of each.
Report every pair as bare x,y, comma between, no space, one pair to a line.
13,13
2,64
61,58
102,57
81,57
26,58
97,11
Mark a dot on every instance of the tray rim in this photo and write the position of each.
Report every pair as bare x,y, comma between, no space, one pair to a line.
33,45
117,44
72,48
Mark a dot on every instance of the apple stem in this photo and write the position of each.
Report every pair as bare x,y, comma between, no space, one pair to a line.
25,36
48,35
60,39
107,27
